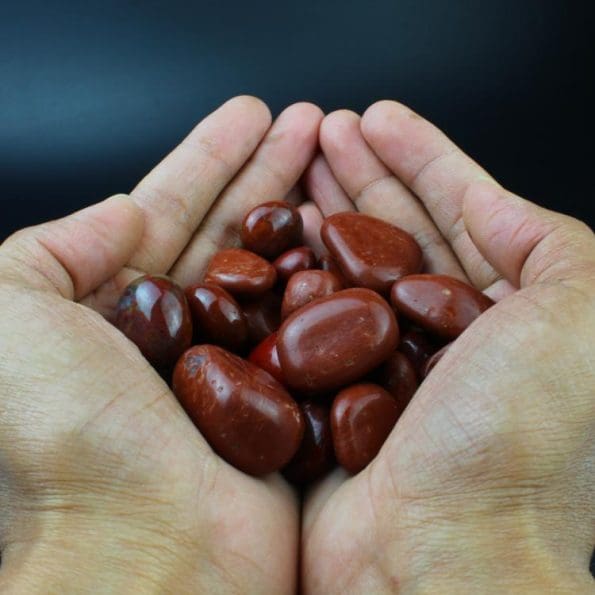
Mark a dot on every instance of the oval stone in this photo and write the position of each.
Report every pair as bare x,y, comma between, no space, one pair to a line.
271,228
306,286
315,456
293,261
265,356
335,340
440,304
246,416
263,316
370,252
417,347
362,417
241,272
327,263
397,375
153,313
217,316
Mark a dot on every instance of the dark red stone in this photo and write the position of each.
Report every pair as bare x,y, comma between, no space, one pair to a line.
418,347
305,286
263,317
370,252
439,304
271,228
153,314
362,417
327,263
397,375
336,340
265,356
293,261
217,317
435,359
241,272
315,456
246,416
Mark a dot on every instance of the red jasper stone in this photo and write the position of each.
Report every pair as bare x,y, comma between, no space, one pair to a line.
418,347
435,359
362,417
271,228
263,317
397,375
315,456
335,340
217,317
327,263
153,314
246,416
292,261
440,304
370,252
306,286
241,272
265,356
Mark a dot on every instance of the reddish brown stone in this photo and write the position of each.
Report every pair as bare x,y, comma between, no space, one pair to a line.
305,286
153,314
265,356
336,340
315,456
217,317
440,304
271,228
241,272
246,416
362,417
263,316
397,375
293,261
370,252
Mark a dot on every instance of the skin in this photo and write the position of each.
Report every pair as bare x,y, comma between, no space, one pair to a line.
485,484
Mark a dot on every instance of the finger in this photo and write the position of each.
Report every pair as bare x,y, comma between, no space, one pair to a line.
526,243
377,192
177,194
322,187
74,255
312,218
435,169
270,174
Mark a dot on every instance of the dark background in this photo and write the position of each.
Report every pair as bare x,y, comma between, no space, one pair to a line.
92,94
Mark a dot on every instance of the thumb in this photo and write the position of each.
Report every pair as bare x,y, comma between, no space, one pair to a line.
526,243
74,255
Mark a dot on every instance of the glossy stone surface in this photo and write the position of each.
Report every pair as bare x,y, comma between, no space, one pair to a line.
362,417
336,340
435,359
265,356
246,416
327,263
271,228
370,252
263,317
398,376
292,261
418,347
440,304
241,272
217,317
305,286
315,456
153,314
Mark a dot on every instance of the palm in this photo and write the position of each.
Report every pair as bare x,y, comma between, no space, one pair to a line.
113,424
453,438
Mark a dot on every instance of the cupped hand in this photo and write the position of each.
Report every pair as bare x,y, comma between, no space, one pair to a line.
105,484
486,482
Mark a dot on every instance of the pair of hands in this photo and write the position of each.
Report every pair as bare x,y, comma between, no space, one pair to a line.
486,482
